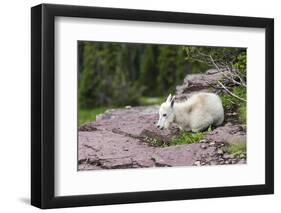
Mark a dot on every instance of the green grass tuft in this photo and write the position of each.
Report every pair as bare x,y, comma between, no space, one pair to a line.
243,113
188,138
236,149
229,101
87,115
233,104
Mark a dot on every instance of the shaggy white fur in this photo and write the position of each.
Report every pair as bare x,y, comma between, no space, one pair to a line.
195,114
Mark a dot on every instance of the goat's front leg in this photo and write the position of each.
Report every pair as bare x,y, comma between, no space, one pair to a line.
186,128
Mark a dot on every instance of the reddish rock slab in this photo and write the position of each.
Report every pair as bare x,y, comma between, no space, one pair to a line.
136,122
117,139
106,150
229,133
199,82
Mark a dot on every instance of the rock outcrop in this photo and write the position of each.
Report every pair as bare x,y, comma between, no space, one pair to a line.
128,138
198,82
123,138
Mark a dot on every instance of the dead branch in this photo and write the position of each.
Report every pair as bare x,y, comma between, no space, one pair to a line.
229,92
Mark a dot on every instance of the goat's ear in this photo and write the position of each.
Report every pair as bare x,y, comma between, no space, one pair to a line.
169,98
172,101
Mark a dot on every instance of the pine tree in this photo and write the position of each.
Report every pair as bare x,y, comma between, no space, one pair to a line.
148,69
167,69
86,88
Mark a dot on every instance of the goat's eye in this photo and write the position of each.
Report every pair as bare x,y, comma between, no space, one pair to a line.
164,115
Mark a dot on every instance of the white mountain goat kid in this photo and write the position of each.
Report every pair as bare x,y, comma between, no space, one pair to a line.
195,114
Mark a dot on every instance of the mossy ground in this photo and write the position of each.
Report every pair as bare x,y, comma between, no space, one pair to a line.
236,149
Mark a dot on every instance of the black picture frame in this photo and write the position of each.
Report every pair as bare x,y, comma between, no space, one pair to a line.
43,102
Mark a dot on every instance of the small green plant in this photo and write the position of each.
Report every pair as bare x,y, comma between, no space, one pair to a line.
243,113
230,102
155,142
241,63
233,104
184,138
236,148
188,138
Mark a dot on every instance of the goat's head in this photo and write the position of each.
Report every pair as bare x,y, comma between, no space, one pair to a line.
166,113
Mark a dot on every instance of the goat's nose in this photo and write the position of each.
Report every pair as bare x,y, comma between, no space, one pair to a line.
158,126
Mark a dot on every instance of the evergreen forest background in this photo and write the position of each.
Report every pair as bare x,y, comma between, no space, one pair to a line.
114,75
